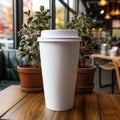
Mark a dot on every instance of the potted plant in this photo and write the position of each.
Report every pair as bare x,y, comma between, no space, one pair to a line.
85,76
29,49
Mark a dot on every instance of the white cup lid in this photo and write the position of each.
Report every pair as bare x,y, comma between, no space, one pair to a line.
59,35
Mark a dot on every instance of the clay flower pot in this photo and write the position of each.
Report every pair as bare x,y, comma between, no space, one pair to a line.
30,79
85,79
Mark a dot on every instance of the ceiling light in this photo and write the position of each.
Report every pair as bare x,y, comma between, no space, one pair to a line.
107,16
114,11
102,11
102,3
93,29
117,12
100,29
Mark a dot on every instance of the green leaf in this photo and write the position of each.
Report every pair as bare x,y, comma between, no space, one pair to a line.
41,8
37,13
29,19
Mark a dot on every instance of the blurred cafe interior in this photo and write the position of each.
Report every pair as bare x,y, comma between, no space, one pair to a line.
49,95
105,16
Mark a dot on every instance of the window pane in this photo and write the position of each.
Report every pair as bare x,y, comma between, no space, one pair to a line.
6,24
60,14
34,5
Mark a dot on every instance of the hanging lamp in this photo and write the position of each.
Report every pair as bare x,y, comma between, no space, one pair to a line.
113,9
117,11
103,3
107,16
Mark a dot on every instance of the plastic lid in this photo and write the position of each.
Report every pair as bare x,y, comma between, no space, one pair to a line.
59,35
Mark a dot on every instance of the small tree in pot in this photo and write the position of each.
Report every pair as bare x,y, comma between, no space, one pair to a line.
29,46
29,33
82,23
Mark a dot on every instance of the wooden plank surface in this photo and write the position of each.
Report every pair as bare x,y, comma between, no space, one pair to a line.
17,105
9,97
109,106
32,107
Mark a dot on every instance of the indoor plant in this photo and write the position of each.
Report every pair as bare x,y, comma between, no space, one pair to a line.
83,24
29,47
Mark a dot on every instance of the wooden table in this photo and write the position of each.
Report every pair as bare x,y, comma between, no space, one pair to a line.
17,105
101,56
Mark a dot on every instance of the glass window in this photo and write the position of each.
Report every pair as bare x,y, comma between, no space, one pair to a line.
6,24
34,5
116,32
60,14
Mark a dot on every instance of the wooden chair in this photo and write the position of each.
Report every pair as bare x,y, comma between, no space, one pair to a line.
117,68
107,67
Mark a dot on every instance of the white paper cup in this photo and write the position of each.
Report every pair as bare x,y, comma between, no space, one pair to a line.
112,53
59,61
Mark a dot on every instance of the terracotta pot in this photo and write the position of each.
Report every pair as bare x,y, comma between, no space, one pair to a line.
85,79
30,79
